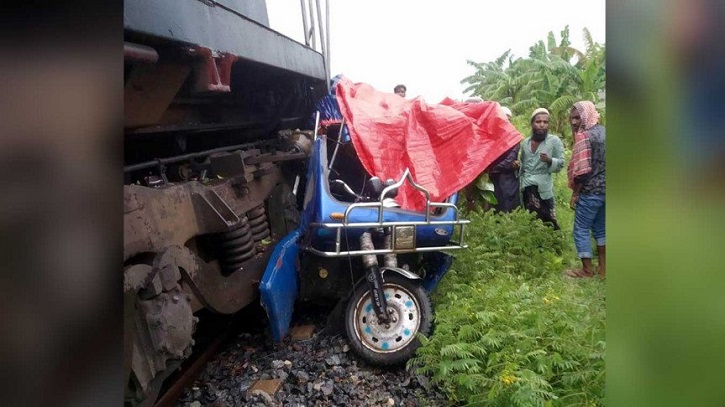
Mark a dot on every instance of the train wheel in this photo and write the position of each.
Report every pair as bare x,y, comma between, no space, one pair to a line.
159,324
395,342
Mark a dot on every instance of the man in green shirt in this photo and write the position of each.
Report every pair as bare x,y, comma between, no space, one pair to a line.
542,155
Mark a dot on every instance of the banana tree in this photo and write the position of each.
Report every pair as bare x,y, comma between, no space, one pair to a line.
554,75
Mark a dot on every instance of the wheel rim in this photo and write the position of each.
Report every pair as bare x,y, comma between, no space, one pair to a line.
404,311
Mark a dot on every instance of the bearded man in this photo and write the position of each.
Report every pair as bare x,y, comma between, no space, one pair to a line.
542,155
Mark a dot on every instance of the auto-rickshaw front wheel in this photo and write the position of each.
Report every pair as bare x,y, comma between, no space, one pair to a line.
394,342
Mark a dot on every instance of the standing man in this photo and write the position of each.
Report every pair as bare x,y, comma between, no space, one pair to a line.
400,90
503,175
542,155
587,178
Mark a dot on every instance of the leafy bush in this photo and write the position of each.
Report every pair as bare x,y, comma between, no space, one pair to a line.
509,329
516,243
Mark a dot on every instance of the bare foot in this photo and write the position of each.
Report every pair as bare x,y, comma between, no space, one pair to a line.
578,273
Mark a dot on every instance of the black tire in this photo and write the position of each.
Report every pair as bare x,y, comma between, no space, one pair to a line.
378,344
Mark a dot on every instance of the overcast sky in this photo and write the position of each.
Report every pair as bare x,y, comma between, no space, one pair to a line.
425,44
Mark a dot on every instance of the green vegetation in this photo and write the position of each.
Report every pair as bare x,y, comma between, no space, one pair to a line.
509,328
554,76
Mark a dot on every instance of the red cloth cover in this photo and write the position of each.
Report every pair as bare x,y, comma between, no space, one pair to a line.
445,146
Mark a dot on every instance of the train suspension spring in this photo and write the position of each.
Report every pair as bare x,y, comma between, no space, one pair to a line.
237,247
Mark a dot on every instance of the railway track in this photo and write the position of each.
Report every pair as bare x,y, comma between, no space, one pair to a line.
238,365
190,371
213,335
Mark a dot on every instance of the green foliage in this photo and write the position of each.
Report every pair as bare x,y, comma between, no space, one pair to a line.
510,330
554,75
485,189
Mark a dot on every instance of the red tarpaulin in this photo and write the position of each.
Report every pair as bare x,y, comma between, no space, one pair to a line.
445,145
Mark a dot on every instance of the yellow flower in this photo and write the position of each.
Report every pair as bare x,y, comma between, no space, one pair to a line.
508,379
546,301
556,298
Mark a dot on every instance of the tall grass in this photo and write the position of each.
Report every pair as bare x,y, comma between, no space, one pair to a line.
509,328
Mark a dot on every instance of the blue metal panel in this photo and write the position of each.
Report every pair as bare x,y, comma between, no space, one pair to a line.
278,289
440,264
310,204
223,30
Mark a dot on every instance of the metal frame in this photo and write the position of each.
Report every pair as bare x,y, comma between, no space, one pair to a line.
211,25
459,244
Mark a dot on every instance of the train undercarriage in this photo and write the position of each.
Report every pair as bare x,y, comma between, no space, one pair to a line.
213,160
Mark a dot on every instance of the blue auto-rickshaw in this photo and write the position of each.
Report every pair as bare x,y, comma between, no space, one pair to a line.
355,245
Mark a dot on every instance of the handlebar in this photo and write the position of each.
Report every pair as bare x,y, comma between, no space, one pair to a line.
347,188
378,189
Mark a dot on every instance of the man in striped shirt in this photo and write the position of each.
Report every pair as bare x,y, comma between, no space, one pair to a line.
587,179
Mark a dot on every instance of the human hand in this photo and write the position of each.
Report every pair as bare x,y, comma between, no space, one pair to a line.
517,164
574,200
545,158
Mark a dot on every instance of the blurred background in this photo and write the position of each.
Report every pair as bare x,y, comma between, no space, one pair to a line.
665,308
61,206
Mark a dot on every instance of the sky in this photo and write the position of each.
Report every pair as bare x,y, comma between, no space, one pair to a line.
425,44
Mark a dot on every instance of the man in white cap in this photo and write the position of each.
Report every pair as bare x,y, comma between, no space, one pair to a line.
542,155
502,174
